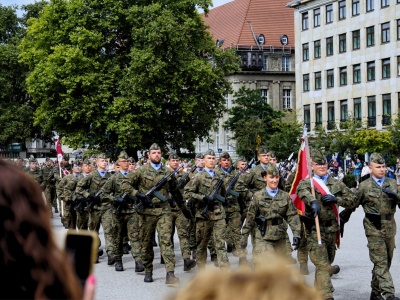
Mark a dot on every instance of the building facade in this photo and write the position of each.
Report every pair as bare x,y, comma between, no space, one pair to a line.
347,61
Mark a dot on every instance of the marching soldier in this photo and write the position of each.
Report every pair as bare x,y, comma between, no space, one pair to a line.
210,214
82,215
34,171
124,217
379,196
155,212
328,192
50,184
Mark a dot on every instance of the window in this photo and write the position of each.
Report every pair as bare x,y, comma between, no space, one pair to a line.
356,74
355,7
343,111
385,32
226,97
307,117
387,109
306,82
287,99
330,80
398,65
385,3
305,52
318,114
331,115
317,80
329,13
264,94
285,63
265,63
356,39
317,49
343,76
342,43
357,108
342,10
386,68
398,29
317,17
370,36
371,111
369,5
371,71
329,46
304,21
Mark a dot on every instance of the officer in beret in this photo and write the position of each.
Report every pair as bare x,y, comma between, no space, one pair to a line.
379,196
210,214
156,212
329,192
268,211
99,211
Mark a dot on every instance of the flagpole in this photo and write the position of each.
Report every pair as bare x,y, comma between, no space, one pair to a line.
311,183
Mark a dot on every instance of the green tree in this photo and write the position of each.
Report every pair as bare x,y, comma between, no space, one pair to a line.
372,140
251,116
125,74
395,132
342,139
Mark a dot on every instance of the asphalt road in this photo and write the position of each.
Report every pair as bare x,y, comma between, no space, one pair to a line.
353,281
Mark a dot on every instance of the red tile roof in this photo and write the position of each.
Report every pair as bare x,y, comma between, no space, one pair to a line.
272,18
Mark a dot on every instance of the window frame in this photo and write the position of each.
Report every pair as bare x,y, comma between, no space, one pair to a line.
398,29
317,17
371,100
304,21
317,49
344,111
386,68
385,3
318,114
307,116
287,99
342,9
386,109
369,5
370,36
343,75
357,109
306,82
342,43
355,7
329,14
306,52
285,63
371,71
356,73
329,46
356,40
317,81
330,78
385,33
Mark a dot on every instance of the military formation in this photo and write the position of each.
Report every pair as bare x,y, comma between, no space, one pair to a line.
220,206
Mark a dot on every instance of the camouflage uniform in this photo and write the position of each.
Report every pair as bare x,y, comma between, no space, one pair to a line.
201,185
37,176
101,213
50,186
68,196
82,215
323,256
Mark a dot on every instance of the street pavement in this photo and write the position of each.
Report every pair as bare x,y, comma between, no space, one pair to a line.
353,281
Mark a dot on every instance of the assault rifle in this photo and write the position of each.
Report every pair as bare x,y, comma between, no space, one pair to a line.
81,204
283,165
122,202
92,201
231,184
153,192
182,181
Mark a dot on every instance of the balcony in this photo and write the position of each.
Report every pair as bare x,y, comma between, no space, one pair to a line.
371,121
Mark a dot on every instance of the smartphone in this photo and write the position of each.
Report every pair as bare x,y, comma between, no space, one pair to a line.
82,245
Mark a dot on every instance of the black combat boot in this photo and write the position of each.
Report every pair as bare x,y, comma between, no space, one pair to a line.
100,252
139,266
229,248
376,296
162,260
154,243
171,278
148,277
118,266
214,259
188,264
304,269
111,259
392,297
194,254
56,210
334,270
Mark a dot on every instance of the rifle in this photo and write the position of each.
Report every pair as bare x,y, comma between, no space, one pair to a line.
231,184
93,201
182,181
80,207
153,192
285,163
121,202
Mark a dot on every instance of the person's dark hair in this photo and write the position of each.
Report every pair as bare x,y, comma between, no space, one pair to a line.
31,264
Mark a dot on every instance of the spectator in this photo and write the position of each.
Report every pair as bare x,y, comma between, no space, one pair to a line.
390,172
397,173
31,265
357,170
365,172
340,174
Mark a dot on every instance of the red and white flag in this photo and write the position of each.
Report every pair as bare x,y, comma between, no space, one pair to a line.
59,151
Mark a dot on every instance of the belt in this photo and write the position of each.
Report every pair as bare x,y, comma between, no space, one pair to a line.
159,205
275,221
327,223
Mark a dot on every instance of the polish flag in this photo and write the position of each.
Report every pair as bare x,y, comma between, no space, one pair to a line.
59,151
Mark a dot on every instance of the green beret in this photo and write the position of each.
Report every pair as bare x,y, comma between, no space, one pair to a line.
210,152
32,159
241,159
376,158
225,155
272,154
154,147
101,155
86,161
200,155
317,157
131,160
173,156
271,170
262,150
123,155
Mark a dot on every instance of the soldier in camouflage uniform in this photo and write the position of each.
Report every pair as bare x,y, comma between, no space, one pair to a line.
82,215
60,171
124,218
100,210
323,256
50,184
378,195
68,194
155,213
269,209
178,219
210,224
34,171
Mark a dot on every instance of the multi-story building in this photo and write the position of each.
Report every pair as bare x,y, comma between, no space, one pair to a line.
262,34
347,61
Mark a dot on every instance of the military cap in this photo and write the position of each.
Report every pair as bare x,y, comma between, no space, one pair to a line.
210,152
77,162
272,154
32,159
376,158
131,160
225,155
262,150
173,156
48,159
101,155
317,157
154,147
270,170
123,155
87,161
241,159
200,155
66,157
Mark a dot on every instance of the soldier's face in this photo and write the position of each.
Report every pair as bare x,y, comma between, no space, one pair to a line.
155,156
132,166
320,169
174,163
123,164
264,158
101,163
377,170
199,163
76,169
272,160
86,168
33,166
240,165
225,162
272,181
209,161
